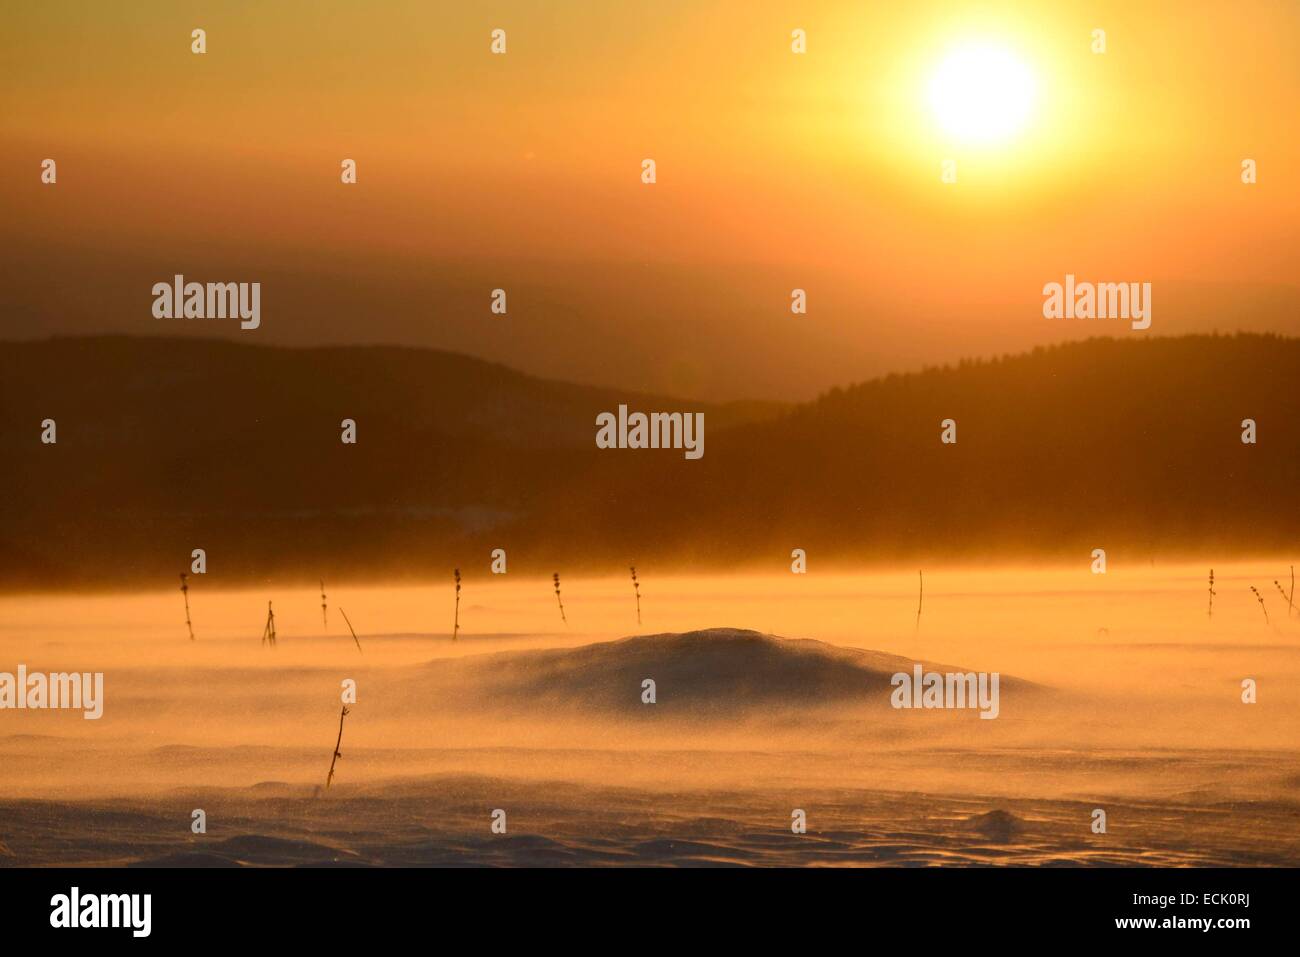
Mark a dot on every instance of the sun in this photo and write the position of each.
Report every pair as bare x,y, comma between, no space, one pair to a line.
982,93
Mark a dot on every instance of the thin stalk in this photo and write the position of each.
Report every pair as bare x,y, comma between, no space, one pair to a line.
268,632
185,591
1260,599
920,597
337,744
556,579
354,634
456,626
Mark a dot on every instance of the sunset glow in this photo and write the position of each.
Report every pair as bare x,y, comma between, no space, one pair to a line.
982,93
612,435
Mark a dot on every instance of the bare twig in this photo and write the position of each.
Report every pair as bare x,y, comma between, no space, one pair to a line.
920,597
354,634
324,613
268,632
1281,591
185,590
456,627
1210,613
556,579
1260,599
637,586
337,744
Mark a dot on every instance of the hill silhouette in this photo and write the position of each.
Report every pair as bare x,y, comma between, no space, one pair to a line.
169,444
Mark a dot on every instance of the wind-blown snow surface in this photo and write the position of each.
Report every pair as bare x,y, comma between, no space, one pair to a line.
1125,700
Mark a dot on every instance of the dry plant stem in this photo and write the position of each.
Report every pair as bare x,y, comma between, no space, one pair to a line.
354,634
920,597
268,632
185,591
556,578
456,625
337,744
1260,599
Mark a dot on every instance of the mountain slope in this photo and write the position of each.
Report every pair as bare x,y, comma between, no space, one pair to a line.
166,445
1130,445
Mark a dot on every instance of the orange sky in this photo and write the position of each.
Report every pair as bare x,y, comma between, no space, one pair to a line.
775,171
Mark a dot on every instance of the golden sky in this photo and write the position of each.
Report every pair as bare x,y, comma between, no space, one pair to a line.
819,170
